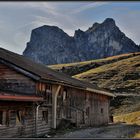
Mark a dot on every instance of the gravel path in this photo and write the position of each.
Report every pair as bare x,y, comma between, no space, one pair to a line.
110,131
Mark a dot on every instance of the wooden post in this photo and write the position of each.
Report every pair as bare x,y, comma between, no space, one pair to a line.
55,91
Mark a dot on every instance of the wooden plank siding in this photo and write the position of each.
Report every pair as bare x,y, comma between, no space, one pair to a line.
16,128
83,108
42,126
12,81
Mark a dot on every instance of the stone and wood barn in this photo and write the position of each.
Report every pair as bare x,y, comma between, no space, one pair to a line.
35,98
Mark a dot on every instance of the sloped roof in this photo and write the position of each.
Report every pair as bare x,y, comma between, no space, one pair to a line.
45,73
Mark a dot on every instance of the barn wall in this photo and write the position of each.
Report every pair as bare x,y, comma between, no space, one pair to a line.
12,81
16,128
98,109
83,108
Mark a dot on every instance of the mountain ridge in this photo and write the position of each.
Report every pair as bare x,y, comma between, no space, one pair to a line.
51,45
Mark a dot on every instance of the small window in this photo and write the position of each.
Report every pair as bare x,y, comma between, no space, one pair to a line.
1,117
102,110
45,116
87,111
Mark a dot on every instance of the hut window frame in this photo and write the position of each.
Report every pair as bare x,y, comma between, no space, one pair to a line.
102,110
45,116
87,111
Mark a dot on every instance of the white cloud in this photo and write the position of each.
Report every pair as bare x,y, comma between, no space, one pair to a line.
88,6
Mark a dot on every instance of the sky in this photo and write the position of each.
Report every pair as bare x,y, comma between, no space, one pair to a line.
17,19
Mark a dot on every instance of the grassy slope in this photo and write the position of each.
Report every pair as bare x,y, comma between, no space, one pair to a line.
130,118
137,135
119,74
79,67
122,76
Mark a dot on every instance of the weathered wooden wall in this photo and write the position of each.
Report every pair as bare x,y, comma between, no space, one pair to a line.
42,126
17,129
12,81
83,108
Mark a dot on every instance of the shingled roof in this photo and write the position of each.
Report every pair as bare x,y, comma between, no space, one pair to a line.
46,74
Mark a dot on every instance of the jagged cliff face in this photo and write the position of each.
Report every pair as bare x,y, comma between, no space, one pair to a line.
51,45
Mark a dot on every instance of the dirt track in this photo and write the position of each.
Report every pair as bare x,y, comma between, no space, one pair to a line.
111,131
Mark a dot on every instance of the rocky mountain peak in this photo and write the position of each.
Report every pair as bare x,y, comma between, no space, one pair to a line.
109,21
47,28
51,45
78,33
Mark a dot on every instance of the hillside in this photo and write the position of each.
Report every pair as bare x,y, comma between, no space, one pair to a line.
80,67
51,45
129,118
119,74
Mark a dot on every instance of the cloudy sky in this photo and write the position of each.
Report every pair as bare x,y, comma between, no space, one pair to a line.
17,19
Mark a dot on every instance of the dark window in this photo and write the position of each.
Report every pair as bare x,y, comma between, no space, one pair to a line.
87,111
45,116
1,117
101,110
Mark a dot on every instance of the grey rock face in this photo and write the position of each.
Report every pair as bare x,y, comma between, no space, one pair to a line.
51,45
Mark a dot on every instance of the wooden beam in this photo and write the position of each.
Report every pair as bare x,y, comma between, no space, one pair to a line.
55,91
20,98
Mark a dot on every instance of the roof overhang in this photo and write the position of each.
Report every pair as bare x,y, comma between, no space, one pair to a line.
100,92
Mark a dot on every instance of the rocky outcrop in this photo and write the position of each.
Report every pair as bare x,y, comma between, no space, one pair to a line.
51,45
